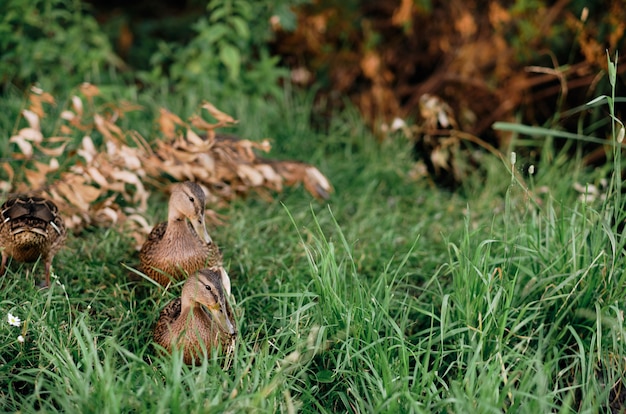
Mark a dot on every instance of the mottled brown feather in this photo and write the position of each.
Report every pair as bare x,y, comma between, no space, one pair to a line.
30,228
174,249
192,327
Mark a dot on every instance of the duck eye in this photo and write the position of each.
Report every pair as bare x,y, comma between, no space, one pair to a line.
191,199
208,287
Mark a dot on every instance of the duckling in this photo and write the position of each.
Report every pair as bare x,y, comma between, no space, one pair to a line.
201,317
181,245
30,228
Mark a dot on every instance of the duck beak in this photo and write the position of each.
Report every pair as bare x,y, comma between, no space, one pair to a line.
223,318
200,228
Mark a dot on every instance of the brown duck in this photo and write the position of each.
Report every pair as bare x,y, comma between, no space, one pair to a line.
181,245
200,319
31,228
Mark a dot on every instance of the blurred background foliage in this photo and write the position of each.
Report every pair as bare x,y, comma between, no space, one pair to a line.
487,60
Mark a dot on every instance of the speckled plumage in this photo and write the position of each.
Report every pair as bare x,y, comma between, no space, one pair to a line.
30,228
201,318
181,245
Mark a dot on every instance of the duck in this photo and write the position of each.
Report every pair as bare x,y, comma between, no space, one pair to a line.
31,229
201,319
181,245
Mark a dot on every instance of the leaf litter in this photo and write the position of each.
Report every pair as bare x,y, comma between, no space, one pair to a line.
107,177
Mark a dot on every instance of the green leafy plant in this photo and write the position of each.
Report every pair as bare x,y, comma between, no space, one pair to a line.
229,50
53,40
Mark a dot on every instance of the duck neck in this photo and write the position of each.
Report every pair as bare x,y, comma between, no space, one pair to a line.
188,297
187,302
178,228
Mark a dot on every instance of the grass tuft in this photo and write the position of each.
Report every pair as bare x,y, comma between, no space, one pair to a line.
393,297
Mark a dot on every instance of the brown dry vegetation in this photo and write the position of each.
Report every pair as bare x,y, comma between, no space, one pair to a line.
110,182
480,61
466,63
486,59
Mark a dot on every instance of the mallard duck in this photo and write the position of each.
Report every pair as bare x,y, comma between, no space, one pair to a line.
200,318
181,245
31,228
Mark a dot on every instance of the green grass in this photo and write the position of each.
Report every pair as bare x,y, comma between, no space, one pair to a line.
395,296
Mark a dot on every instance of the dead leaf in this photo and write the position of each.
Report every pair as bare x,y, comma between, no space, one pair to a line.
194,139
9,170
370,65
97,177
32,118
222,118
58,150
402,16
68,115
168,122
76,192
25,147
249,175
197,122
36,178
89,90
466,25
127,167
316,183
88,149
107,128
37,98
77,104
30,134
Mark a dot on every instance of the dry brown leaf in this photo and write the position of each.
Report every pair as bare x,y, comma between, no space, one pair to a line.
250,175
54,164
206,161
439,159
89,90
73,188
88,149
37,98
31,134
168,122
97,177
370,65
5,186
37,179
316,183
466,25
32,118
131,157
106,215
273,180
25,147
108,129
193,138
198,122
89,192
9,170
402,16
126,177
68,115
126,106
223,118
77,104
141,222
245,148
57,151
498,15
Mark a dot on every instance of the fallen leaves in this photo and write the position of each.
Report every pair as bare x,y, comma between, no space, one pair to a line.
109,180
